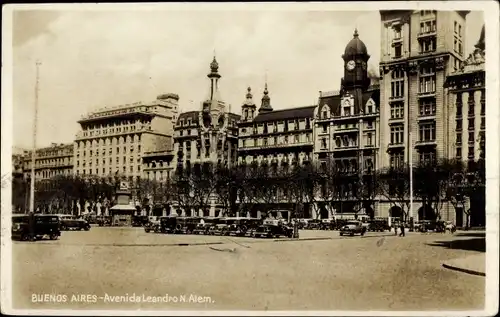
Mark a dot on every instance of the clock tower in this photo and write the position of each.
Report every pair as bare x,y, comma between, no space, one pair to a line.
356,79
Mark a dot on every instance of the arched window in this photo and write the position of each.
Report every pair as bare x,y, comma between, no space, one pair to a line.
325,112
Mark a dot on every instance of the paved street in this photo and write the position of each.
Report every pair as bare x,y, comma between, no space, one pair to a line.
375,272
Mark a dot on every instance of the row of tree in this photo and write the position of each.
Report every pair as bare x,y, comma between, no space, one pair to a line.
240,189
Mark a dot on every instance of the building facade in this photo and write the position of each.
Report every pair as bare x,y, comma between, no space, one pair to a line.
51,161
467,119
112,141
347,124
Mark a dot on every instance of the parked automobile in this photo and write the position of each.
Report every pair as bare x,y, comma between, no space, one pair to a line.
313,224
43,225
240,226
104,221
175,224
153,224
139,221
449,226
327,224
273,231
69,222
353,227
378,225
221,227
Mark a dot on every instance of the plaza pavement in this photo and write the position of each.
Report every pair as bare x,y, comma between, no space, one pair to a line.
376,272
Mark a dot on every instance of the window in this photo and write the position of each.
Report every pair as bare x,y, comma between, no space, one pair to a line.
398,50
483,123
275,140
427,131
471,137
397,110
325,127
369,108
483,106
243,143
369,124
428,27
397,83
460,30
459,153
428,107
397,159
471,152
397,134
369,139
296,139
323,143
338,142
459,106
459,125
471,125
286,139
265,141
455,25
427,84
427,157
459,138
428,45
397,32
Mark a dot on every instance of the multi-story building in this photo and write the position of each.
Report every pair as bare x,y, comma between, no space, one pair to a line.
467,122
209,135
419,49
113,140
274,136
347,123
51,161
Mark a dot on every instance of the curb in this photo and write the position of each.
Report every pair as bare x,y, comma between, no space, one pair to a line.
302,239
459,269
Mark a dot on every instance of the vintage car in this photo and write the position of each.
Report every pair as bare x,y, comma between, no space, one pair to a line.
139,221
219,229
43,225
204,226
378,225
176,224
327,224
69,222
353,227
273,231
240,226
104,221
153,225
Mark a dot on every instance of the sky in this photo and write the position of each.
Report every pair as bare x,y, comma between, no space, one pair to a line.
93,59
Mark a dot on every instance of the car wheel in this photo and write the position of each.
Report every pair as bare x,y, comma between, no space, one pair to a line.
351,234
341,234
54,237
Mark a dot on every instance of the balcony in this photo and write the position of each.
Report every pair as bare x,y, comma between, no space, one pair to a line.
346,148
395,145
396,120
425,34
426,143
426,116
396,98
346,130
426,94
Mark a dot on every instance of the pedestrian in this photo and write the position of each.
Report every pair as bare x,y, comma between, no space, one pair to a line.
402,234
395,229
31,226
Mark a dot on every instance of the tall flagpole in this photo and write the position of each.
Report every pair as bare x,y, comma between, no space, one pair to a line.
33,151
411,174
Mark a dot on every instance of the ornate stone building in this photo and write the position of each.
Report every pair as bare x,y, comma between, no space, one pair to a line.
114,140
467,120
274,136
347,124
51,161
210,134
419,49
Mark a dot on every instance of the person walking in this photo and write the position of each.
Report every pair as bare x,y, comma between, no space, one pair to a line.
402,234
395,229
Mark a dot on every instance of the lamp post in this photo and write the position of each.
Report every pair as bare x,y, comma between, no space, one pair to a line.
33,152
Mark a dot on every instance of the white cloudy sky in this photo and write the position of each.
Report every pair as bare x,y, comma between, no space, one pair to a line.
96,59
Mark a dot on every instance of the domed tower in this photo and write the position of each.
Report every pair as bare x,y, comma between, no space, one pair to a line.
356,78
266,101
248,108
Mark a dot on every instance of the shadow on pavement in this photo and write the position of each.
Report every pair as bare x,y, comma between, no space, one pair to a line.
476,244
471,234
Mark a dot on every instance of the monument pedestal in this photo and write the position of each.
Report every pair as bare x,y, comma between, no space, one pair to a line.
121,213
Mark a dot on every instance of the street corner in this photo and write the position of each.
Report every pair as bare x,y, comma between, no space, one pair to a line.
473,264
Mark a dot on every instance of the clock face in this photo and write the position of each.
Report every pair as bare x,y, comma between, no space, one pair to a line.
351,64
363,64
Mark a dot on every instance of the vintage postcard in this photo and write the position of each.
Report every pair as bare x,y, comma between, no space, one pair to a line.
250,159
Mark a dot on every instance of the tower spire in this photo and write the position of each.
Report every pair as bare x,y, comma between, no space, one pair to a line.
266,100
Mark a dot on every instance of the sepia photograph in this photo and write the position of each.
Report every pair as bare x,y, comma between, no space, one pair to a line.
250,158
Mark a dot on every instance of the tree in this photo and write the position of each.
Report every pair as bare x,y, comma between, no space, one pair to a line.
432,182
304,182
394,185
203,184
182,191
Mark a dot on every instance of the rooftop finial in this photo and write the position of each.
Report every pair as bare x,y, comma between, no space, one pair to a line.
356,32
